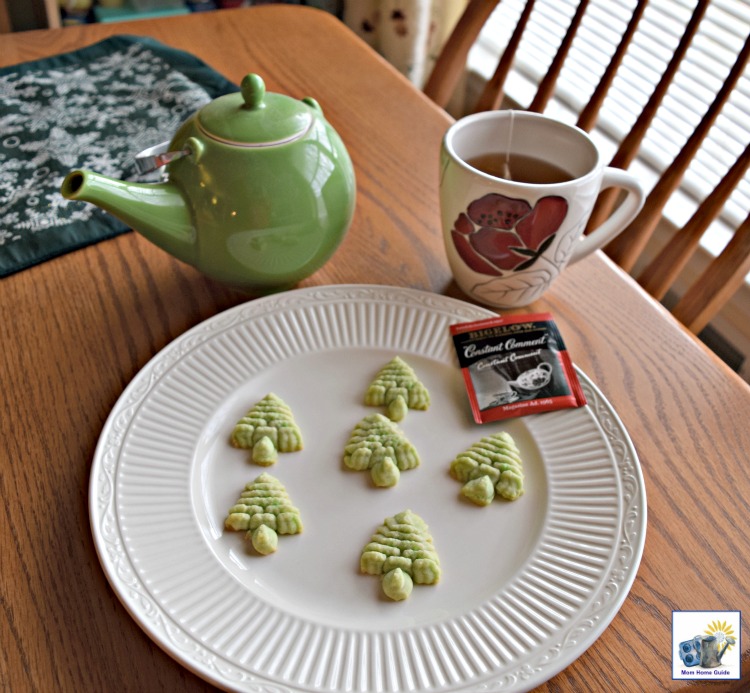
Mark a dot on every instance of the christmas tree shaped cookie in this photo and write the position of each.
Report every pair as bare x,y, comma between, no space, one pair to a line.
489,467
402,552
267,429
264,511
380,445
397,387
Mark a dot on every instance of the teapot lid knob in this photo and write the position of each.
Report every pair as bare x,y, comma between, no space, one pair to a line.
253,91
255,117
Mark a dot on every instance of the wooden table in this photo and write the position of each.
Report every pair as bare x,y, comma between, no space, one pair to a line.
77,329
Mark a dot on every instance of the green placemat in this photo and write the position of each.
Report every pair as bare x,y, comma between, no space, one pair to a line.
93,108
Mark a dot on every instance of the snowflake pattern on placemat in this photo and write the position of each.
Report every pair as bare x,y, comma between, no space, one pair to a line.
93,108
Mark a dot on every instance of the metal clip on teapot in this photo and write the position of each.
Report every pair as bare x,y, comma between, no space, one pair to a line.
259,191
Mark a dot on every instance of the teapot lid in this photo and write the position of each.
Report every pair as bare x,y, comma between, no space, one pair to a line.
254,117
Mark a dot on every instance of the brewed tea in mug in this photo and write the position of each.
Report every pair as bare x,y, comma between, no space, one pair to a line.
521,167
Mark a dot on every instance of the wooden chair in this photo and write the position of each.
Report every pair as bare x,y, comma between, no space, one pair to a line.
726,272
5,25
46,13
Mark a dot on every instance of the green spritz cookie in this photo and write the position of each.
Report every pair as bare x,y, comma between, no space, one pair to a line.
402,552
264,510
397,387
490,467
380,445
267,429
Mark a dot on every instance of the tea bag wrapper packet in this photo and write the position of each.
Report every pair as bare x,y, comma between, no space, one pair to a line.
514,366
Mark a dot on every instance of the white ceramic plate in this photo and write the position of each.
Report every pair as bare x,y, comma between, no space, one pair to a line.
526,588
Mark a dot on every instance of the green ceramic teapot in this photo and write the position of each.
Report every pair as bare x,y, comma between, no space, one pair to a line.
258,193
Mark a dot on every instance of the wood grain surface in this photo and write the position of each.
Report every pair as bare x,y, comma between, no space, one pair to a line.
78,328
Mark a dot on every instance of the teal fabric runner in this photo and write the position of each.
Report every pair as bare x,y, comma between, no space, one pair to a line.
93,108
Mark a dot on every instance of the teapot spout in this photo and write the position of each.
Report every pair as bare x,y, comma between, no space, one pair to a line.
157,211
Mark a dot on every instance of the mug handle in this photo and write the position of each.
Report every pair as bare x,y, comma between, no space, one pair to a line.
622,216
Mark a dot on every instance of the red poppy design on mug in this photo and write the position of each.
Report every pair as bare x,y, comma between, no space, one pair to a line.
498,233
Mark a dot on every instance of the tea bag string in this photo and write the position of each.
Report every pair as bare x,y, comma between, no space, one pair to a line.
506,164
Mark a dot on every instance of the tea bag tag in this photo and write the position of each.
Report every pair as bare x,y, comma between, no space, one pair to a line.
157,156
515,365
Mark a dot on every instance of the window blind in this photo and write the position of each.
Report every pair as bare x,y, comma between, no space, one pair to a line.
711,55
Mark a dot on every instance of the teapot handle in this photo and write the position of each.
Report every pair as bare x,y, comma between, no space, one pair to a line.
157,156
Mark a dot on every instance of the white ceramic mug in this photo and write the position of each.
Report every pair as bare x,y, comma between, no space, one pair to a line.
506,241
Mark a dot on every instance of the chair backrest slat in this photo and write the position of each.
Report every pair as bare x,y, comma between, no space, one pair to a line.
590,112
666,266
492,94
452,59
547,85
5,23
708,294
